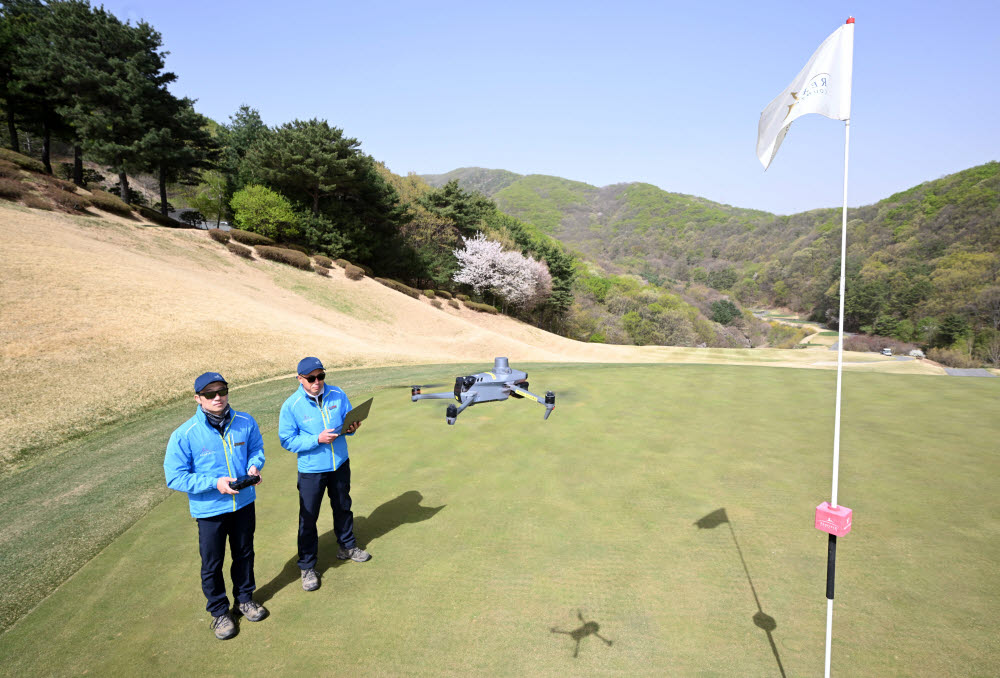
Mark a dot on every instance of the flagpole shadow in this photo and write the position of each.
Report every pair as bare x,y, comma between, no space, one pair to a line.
761,619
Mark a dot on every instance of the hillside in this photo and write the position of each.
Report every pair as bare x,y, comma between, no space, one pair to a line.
106,316
915,258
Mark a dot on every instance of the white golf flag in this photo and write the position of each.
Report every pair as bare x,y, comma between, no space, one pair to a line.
823,86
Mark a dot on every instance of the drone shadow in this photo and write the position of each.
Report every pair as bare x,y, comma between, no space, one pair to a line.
588,628
402,510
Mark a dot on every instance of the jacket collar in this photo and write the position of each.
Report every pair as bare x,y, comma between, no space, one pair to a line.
311,398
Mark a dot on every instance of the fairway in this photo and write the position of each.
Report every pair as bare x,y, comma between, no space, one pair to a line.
496,539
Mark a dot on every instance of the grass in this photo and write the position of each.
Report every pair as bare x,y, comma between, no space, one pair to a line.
489,534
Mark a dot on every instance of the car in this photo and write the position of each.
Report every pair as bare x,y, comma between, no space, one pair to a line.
886,351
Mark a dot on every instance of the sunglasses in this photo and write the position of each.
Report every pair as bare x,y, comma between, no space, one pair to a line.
210,395
321,376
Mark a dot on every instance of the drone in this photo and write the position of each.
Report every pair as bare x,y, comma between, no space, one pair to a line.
486,387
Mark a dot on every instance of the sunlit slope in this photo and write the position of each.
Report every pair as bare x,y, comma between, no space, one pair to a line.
106,316
103,317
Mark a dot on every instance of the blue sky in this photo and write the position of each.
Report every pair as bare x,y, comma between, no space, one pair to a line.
604,93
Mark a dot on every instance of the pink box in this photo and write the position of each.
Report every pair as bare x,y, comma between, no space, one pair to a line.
833,519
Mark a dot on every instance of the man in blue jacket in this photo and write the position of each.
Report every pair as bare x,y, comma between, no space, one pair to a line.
309,425
215,446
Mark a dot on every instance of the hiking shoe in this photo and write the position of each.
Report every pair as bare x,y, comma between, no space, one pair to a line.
355,553
223,626
251,610
310,580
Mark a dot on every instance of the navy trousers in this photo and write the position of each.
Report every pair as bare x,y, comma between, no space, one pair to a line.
212,532
312,486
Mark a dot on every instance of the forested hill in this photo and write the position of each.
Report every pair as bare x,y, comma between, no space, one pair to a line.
915,259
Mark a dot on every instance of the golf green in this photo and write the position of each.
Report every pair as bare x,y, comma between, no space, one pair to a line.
594,543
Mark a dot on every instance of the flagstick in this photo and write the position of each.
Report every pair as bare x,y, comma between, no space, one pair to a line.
831,554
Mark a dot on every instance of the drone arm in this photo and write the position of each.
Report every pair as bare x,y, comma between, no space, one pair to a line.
549,406
522,392
432,396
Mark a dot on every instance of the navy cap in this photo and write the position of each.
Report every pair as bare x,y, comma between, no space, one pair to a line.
206,379
307,365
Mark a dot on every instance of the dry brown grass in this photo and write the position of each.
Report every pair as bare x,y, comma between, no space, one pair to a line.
104,318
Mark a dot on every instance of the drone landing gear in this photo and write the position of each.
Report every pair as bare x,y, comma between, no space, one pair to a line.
451,414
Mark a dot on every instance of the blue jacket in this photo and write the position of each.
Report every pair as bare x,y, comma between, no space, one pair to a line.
198,455
302,420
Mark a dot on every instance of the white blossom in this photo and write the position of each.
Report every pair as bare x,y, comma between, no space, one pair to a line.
518,280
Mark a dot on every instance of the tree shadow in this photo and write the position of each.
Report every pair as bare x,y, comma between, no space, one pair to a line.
589,628
403,509
761,620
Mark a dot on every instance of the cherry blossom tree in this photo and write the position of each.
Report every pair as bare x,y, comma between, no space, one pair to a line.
516,280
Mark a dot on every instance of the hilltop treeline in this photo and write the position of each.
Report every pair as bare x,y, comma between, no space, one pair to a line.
923,266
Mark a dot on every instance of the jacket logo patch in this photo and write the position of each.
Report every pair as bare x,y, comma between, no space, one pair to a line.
306,419
206,452
238,444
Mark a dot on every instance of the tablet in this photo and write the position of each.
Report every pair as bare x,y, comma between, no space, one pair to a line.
357,414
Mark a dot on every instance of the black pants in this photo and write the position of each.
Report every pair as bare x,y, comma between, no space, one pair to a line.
212,532
312,486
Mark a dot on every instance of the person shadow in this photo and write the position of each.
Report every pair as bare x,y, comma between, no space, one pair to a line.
402,510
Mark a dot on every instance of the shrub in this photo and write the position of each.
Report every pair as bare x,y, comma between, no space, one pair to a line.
192,217
68,201
950,358
399,287
109,203
724,311
12,189
354,272
462,297
454,303
442,293
368,271
482,308
37,202
158,218
436,303
916,353
240,250
259,209
9,170
285,256
218,235
323,270
429,294
22,161
325,262
297,248
136,197
343,263
65,170
248,238
67,186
